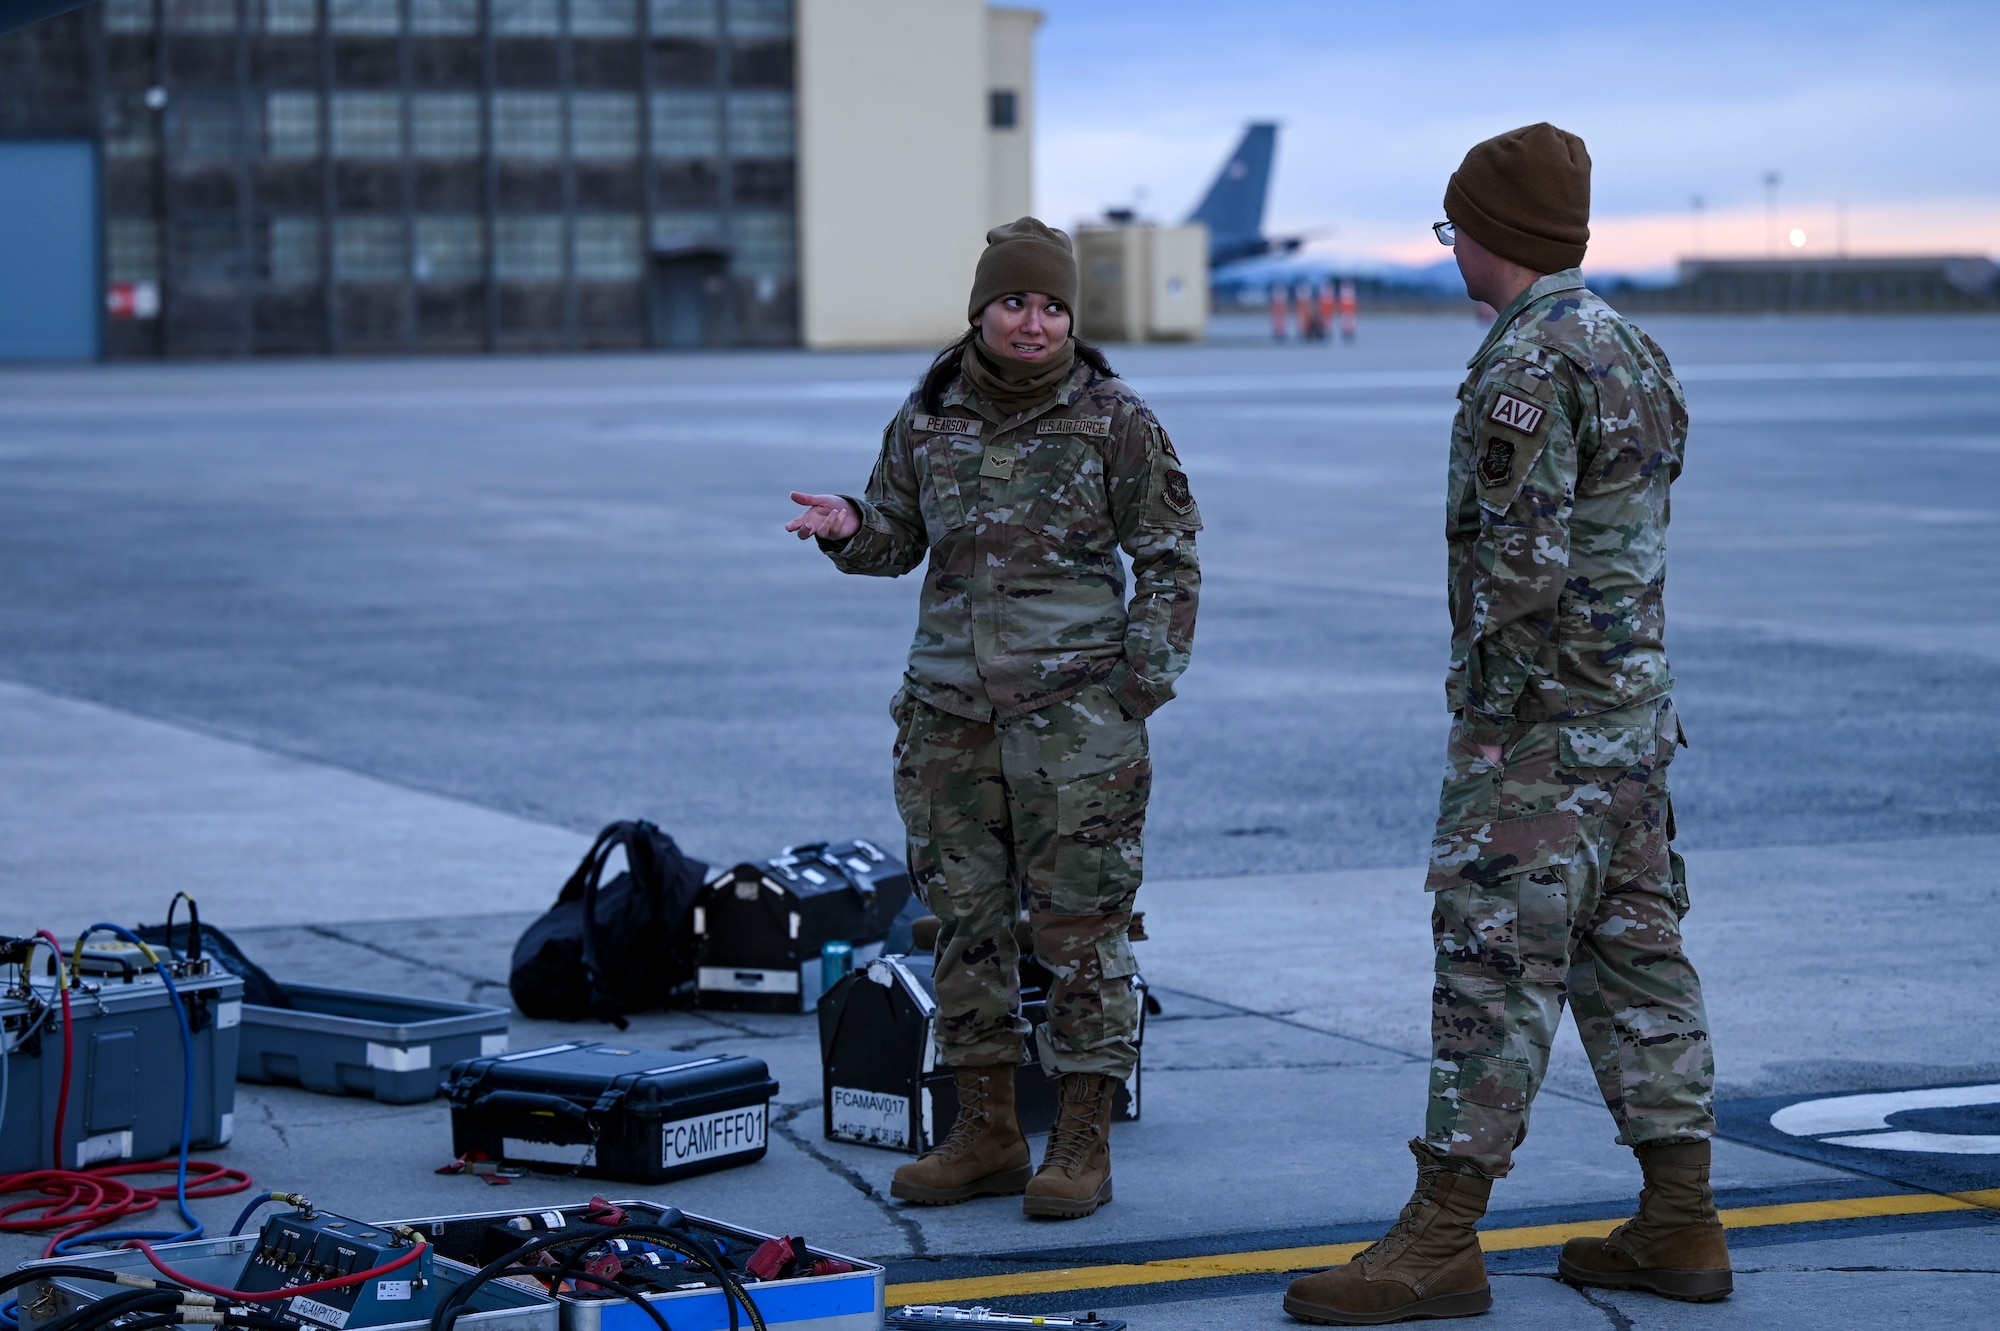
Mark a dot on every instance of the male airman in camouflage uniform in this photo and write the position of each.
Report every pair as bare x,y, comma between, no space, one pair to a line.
1021,754
1552,873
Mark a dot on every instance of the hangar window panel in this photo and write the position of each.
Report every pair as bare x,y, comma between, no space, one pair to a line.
527,125
528,249
132,249
684,18
202,126
368,249
450,249
444,18
686,124
291,125
201,15
1003,109
604,125
370,18
294,251
760,124
291,17
760,18
128,15
686,230
444,126
367,124
766,244
128,128
603,18
205,249
607,248
527,18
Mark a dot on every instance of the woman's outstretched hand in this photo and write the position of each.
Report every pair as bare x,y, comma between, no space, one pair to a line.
828,517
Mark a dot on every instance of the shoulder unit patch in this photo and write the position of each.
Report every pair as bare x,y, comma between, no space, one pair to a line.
1174,489
1098,427
1496,464
945,425
1516,414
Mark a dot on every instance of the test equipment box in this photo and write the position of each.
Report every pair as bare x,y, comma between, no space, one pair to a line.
847,1300
297,1249
612,1111
127,1065
881,1079
760,927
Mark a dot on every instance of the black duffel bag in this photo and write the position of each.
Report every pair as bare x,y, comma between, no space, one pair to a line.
607,949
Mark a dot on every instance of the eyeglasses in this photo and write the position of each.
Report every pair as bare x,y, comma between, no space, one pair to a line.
1446,233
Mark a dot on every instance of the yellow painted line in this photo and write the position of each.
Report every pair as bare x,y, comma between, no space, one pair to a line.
1275,1261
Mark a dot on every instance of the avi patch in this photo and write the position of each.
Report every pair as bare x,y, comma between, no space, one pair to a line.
1517,414
1174,489
1496,464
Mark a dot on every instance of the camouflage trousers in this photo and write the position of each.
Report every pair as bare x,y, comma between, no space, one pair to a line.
1555,880
1050,806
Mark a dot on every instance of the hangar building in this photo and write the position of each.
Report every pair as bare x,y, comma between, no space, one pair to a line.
240,177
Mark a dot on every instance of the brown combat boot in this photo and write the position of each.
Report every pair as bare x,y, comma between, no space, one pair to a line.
1427,1265
984,1155
1075,1178
1674,1246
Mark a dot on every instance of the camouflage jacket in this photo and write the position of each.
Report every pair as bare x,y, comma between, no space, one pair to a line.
1022,518
1570,429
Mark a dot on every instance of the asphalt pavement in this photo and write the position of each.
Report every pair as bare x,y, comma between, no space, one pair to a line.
360,653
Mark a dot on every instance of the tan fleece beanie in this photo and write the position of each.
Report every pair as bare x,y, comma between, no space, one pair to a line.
1525,195
1024,255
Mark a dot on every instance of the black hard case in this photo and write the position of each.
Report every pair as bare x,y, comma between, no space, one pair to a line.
612,1111
878,1039
760,926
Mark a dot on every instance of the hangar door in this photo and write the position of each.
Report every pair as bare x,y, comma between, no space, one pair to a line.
49,292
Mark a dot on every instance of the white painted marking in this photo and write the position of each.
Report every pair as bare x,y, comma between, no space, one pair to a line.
1864,1120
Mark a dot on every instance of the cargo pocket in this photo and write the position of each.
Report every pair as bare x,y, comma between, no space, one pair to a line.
942,506
1621,745
1099,841
1677,884
1488,852
1493,1083
1115,958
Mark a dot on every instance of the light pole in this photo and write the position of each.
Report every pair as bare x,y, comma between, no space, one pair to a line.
1695,204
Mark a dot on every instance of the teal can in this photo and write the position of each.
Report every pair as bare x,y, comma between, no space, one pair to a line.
836,959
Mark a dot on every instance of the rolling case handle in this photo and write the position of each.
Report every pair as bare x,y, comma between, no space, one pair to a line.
530,1102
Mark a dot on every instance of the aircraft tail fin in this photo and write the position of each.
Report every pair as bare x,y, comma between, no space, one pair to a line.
1233,208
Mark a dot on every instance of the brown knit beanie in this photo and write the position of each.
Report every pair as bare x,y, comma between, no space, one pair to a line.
1024,256
1525,195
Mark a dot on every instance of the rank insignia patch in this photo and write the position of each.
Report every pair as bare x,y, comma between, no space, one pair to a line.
1516,414
1175,491
1497,463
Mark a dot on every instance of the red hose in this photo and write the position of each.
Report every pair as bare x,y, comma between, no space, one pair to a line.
76,1201
273,1295
69,1048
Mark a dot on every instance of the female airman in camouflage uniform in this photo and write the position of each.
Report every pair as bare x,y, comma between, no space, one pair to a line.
1017,471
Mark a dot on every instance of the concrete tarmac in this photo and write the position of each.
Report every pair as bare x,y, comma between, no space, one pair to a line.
359,654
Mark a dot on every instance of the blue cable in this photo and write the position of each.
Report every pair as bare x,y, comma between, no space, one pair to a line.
261,1199
10,1312
194,1230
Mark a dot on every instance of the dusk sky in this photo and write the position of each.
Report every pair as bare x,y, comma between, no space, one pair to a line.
1886,112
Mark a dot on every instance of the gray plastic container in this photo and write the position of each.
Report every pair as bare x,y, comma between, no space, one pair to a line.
498,1306
352,1042
125,1096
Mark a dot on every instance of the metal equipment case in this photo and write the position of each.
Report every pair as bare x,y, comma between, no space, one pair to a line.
125,1096
881,1082
611,1111
352,1042
498,1306
848,1301
760,926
